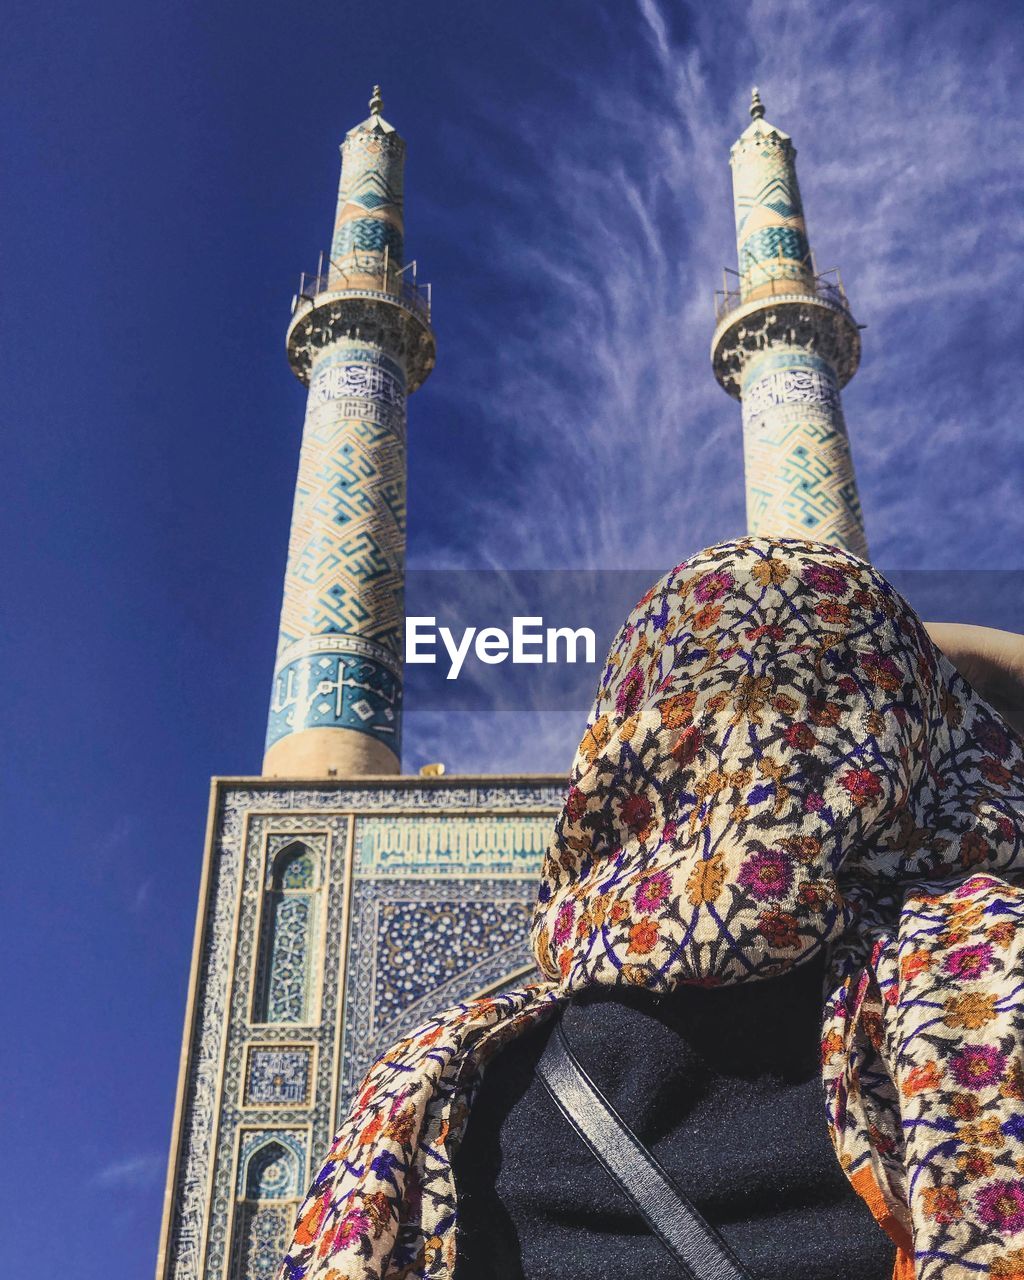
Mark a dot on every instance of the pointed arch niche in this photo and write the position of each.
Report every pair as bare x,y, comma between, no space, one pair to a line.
286,963
271,1174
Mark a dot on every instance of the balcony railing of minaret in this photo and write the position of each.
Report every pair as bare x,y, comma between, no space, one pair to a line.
826,285
366,271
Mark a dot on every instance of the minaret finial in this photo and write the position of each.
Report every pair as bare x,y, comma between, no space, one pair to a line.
377,102
756,105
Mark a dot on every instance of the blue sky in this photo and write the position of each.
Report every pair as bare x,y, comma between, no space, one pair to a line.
168,172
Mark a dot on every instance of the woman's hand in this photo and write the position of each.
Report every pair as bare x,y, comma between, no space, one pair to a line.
989,659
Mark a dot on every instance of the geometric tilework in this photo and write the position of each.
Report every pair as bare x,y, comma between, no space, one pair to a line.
297,871
337,690
373,157
363,234
347,541
278,1075
286,962
289,957
371,172
771,237
346,553
262,1233
271,1165
432,877
772,243
439,944
426,945
799,473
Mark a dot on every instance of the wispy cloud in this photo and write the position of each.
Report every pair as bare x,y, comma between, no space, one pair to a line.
142,896
111,841
132,1172
656,23
612,239
529,741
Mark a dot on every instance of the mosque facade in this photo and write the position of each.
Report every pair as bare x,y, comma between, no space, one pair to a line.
342,902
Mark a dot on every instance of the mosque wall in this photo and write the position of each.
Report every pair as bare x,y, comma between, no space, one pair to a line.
333,918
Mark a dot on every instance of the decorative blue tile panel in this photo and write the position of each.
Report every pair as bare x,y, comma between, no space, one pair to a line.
441,908
271,1174
338,690
362,234
425,945
278,1075
287,978
772,243
271,1164
262,1234
298,871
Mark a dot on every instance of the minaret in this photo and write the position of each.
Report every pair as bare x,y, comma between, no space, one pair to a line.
360,339
784,345
336,910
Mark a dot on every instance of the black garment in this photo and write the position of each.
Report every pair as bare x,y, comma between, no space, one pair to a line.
724,1086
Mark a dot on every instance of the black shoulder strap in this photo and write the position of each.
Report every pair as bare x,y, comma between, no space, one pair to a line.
696,1246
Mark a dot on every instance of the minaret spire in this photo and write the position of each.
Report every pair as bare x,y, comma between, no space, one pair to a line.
360,339
784,345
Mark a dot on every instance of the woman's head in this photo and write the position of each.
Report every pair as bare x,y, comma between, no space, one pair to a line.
763,744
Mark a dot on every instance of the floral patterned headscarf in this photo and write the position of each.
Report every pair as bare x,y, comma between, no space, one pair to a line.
779,760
